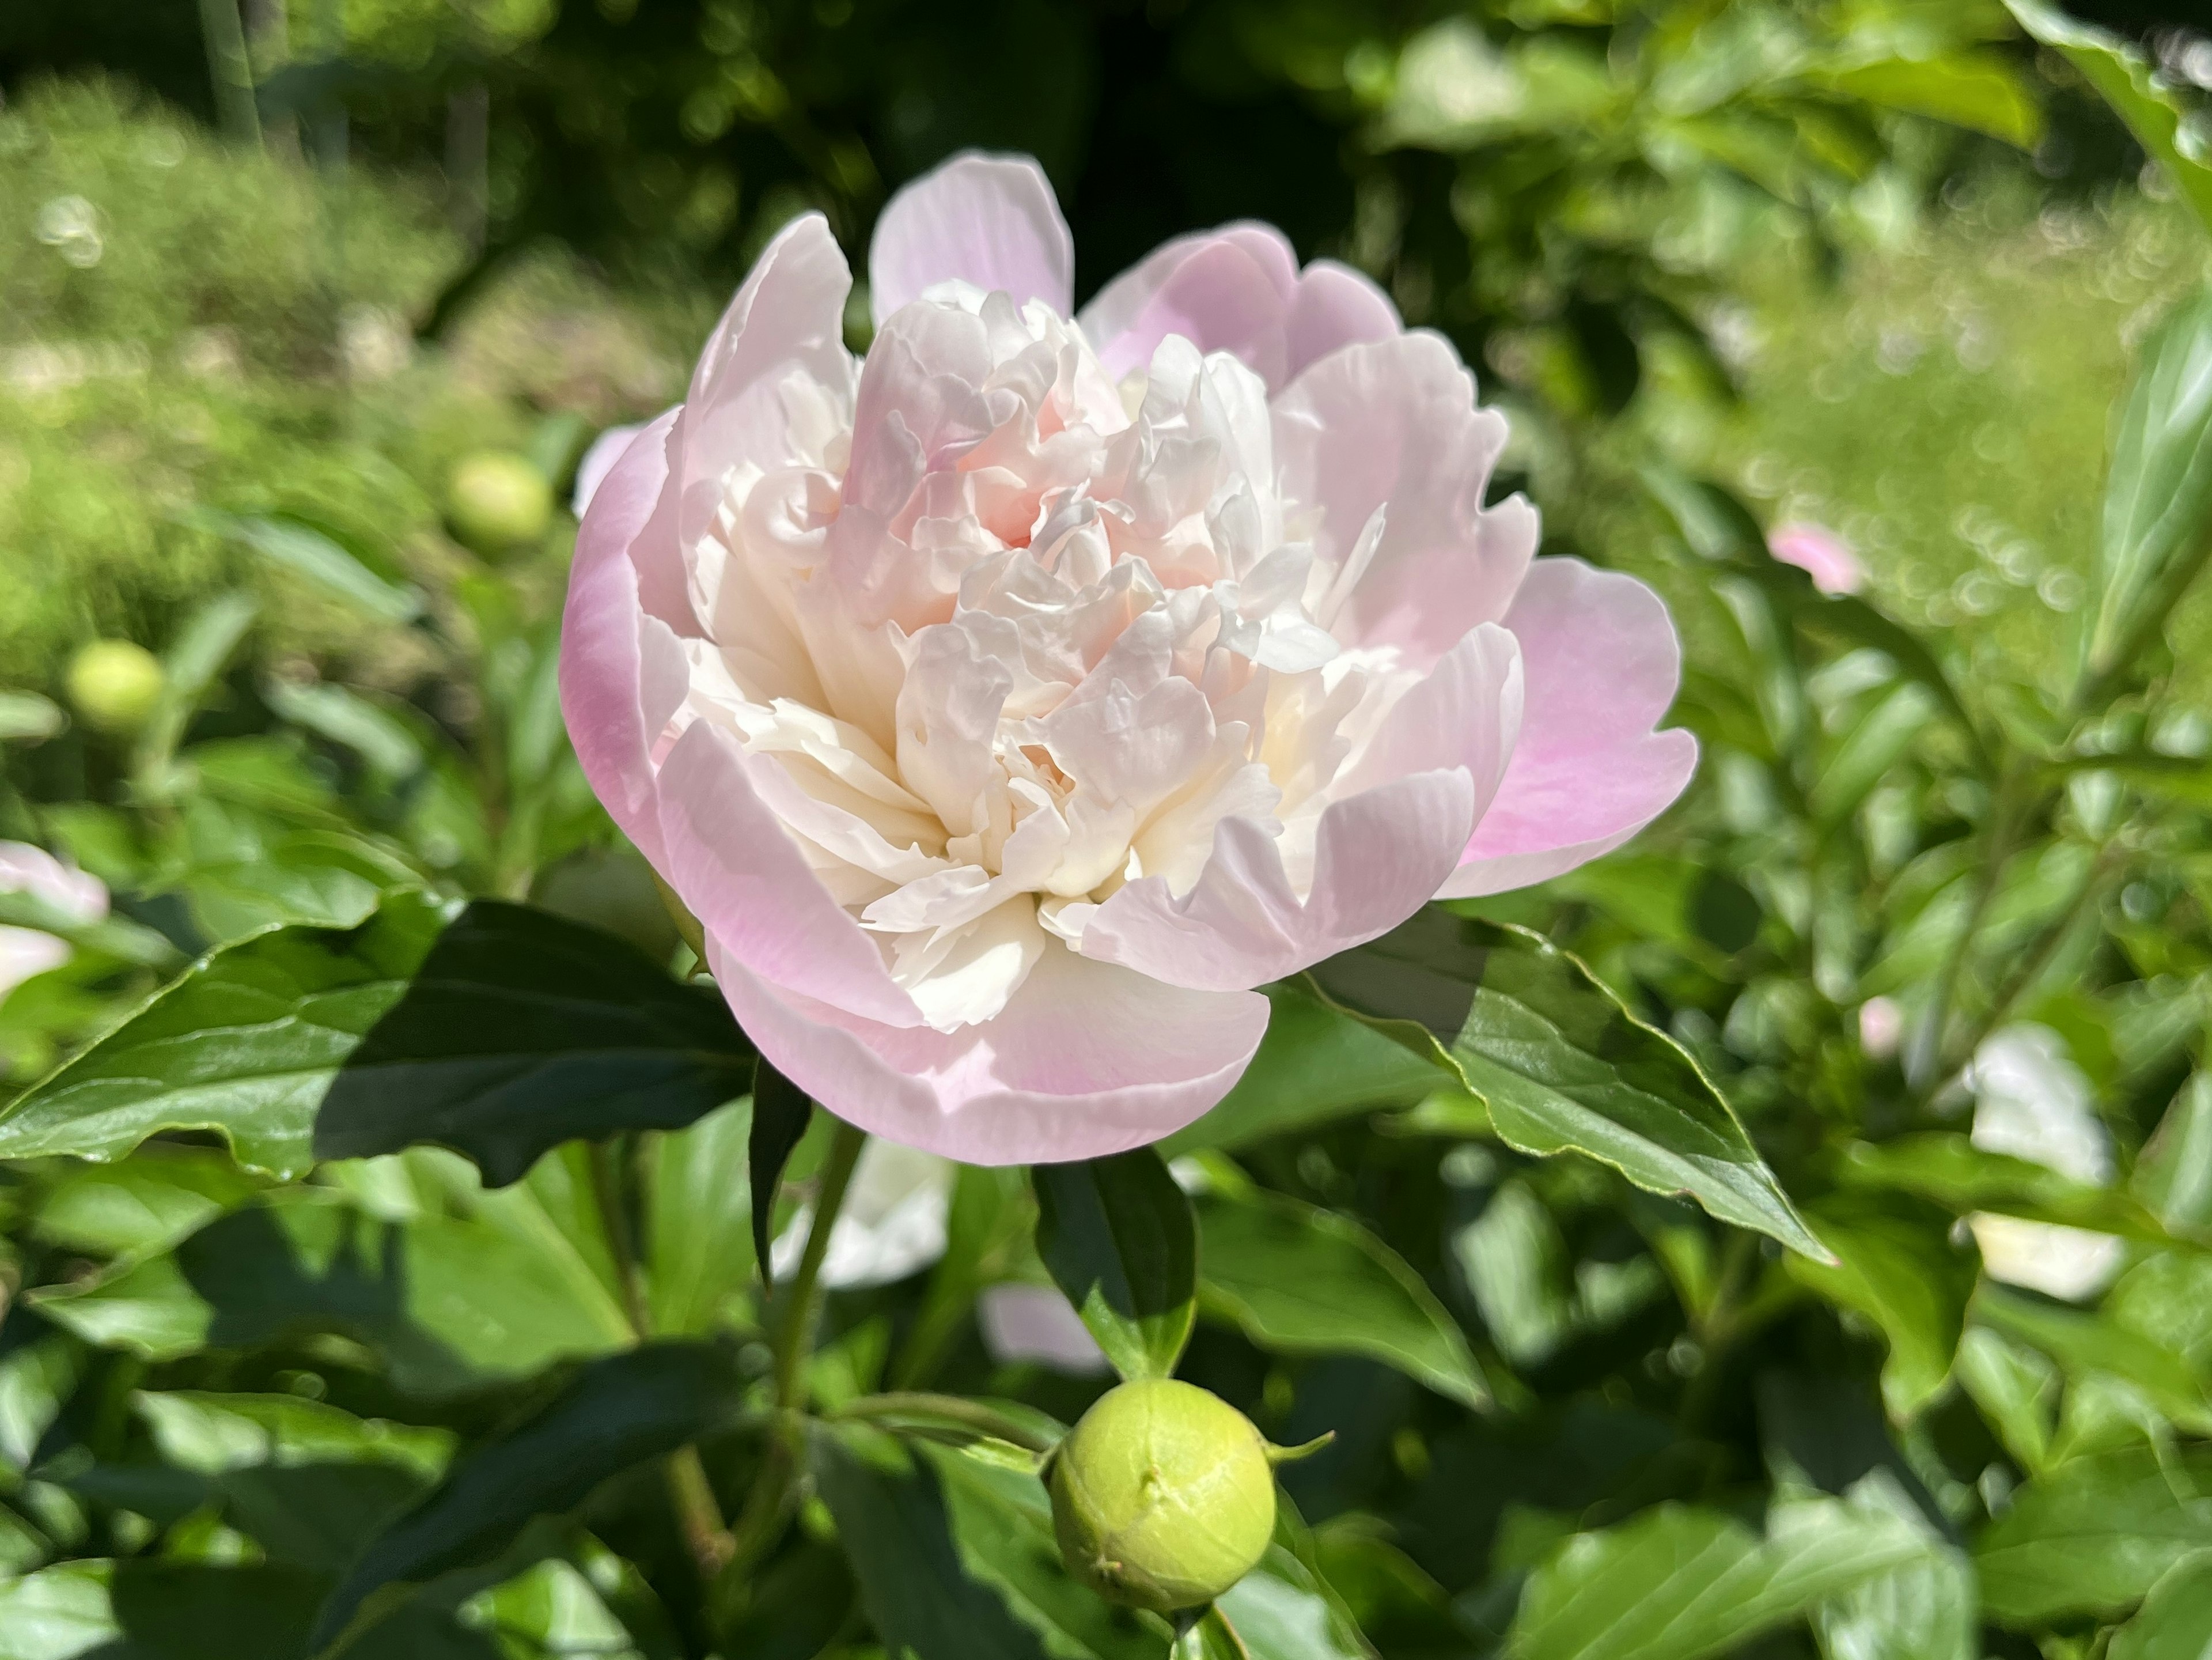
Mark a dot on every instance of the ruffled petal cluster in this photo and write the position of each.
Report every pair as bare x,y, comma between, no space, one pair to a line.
1010,703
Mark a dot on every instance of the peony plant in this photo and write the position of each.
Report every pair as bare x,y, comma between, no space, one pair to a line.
1007,704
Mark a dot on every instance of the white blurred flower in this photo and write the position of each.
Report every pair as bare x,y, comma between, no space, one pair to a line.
892,1224
1035,1322
2032,1102
68,896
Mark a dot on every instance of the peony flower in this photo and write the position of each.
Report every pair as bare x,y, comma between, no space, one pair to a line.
1821,553
2033,1101
597,462
1007,706
67,895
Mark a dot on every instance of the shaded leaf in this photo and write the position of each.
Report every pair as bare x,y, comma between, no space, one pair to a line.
1560,1062
1117,1237
1298,1280
2175,1621
1949,1169
613,1414
1895,1264
499,1035
698,1221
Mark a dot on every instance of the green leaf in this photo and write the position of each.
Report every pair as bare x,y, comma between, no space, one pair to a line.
1949,1169
25,716
1895,1264
1677,1584
1882,738
500,1036
307,550
448,1302
2083,1344
2158,499
1560,1062
698,1222
2094,1536
1297,1279
956,1556
2016,1388
2173,1174
147,1609
550,1611
2175,1621
781,1112
1926,1610
1316,1064
1281,1611
2127,82
1977,90
1117,1237
144,1204
613,1414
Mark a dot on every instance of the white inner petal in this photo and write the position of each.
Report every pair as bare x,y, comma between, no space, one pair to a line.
1013,636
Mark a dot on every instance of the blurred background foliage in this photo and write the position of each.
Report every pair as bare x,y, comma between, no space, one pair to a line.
268,272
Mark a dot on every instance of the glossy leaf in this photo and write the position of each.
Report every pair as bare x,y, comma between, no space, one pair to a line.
1679,1584
1297,1279
956,1557
2123,76
613,1414
1561,1063
2093,1535
780,1114
1280,1611
1895,1264
1117,1237
499,1035
2158,501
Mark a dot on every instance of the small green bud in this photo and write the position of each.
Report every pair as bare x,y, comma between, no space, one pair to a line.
1162,1497
496,500
114,686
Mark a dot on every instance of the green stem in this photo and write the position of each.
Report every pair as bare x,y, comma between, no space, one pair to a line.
1928,1046
697,1510
230,71
970,1415
757,1527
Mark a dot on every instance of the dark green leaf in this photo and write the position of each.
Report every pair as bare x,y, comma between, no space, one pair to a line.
2095,1535
781,1112
956,1557
500,1036
2124,78
1316,1064
2158,501
613,1414
1117,1237
1302,1281
1678,1583
146,1609
1895,1264
1560,1062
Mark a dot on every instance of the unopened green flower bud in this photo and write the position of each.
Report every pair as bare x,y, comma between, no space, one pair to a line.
496,500
1162,1497
114,686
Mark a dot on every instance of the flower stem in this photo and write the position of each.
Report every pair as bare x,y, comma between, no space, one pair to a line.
697,1511
970,1415
756,1528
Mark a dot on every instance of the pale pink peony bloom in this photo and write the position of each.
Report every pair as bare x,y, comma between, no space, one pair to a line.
66,896
1819,551
599,461
1008,706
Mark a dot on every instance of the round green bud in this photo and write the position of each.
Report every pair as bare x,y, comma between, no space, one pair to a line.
496,500
114,685
1162,1497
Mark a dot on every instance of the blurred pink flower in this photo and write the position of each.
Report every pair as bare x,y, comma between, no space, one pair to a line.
1821,552
1036,1323
60,893
1881,1026
1008,705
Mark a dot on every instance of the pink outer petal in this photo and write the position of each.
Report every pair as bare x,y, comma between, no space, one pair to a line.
1084,1061
1236,289
1602,663
1379,855
1393,424
988,219
599,461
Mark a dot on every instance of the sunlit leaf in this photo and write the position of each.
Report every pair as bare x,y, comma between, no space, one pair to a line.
1117,1235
